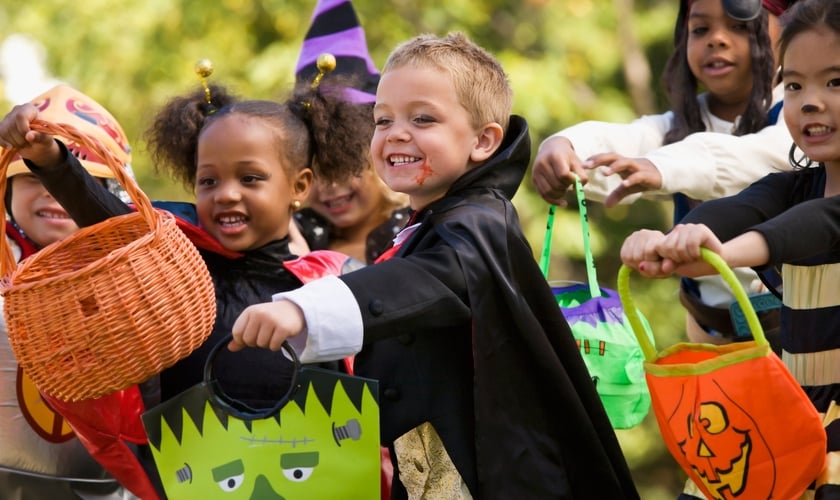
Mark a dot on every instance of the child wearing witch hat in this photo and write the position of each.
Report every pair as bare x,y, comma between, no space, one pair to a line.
359,215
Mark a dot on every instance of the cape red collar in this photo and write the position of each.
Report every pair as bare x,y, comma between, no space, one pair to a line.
27,248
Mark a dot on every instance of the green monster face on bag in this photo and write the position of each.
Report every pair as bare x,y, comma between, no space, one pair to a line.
322,444
610,351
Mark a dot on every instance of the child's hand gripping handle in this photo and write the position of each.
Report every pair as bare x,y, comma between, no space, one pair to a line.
728,276
138,197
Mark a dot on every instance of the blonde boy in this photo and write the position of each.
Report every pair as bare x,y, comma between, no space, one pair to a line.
478,370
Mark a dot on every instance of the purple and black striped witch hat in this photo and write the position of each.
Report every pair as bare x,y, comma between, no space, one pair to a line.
335,28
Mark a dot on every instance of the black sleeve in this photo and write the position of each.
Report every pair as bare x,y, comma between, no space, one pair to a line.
414,294
806,229
734,215
86,199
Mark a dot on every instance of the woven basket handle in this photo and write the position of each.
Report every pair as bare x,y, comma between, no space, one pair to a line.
237,408
141,201
728,276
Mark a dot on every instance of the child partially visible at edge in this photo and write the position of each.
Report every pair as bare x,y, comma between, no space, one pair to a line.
719,81
38,462
788,219
251,164
456,321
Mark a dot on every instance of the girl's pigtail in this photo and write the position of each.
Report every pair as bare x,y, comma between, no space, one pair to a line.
340,130
172,139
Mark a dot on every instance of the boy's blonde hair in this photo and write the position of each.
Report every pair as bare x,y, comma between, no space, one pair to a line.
480,81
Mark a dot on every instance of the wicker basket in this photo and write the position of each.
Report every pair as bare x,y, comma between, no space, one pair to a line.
109,306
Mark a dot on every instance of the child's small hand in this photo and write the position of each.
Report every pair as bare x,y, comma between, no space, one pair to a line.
680,249
16,132
554,168
637,174
267,325
639,252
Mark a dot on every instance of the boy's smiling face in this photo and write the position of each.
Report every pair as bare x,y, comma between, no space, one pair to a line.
424,139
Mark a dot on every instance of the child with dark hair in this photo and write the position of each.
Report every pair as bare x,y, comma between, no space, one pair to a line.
484,392
712,143
251,164
787,219
691,149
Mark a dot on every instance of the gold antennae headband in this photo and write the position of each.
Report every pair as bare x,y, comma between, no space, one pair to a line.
204,68
325,64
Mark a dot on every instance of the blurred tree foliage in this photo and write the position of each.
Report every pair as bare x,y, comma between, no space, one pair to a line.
568,61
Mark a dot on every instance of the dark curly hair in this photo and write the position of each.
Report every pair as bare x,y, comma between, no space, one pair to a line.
316,128
172,138
341,130
682,86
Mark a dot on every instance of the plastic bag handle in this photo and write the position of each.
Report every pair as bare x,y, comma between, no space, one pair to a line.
591,275
728,276
235,407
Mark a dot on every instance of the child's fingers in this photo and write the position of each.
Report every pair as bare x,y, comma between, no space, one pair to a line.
266,334
13,137
554,175
17,127
654,269
684,241
38,138
640,247
276,342
240,331
622,191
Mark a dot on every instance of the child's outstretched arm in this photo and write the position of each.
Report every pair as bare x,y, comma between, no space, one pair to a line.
16,132
321,320
85,198
748,250
638,175
680,250
564,153
657,255
267,325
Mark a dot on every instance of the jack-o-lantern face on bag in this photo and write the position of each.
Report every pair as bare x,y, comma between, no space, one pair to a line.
721,443
717,450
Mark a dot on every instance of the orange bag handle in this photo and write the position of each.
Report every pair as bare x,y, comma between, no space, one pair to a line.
651,355
141,201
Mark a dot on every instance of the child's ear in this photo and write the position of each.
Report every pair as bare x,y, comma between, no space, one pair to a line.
302,183
489,138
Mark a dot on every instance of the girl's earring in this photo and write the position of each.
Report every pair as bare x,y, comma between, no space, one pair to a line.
296,205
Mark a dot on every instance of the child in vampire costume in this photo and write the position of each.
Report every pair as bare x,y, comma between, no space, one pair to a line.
476,363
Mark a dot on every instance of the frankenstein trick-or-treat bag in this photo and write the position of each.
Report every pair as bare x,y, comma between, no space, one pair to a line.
320,441
603,333
732,415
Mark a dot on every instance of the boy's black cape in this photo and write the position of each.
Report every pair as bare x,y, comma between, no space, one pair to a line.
528,367
540,428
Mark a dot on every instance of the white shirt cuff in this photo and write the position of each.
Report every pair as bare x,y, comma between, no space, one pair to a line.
334,328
